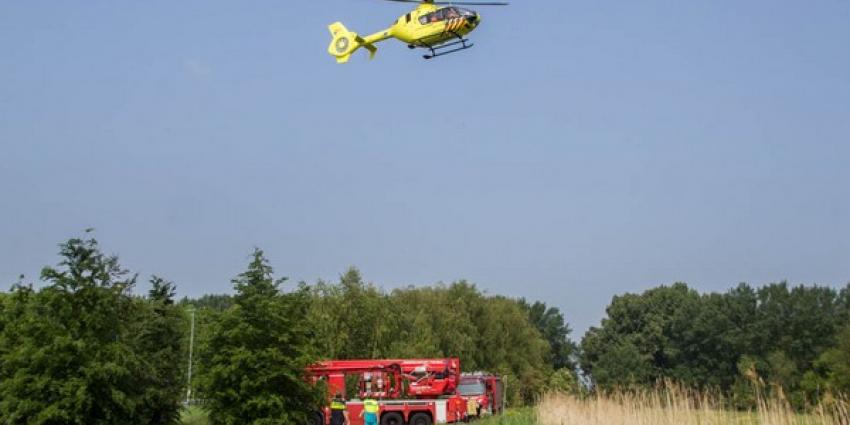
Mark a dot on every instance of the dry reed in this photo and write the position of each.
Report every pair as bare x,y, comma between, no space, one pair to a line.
675,405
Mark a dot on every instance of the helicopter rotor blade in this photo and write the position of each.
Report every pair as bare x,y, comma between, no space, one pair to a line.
475,3
461,3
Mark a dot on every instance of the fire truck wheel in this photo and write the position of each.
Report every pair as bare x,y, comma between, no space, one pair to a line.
392,418
420,419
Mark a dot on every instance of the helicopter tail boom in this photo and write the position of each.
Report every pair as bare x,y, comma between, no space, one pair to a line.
346,42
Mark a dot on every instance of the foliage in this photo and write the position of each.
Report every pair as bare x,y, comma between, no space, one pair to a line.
257,353
520,416
353,319
643,339
551,324
159,331
82,350
214,302
564,381
831,372
771,336
194,415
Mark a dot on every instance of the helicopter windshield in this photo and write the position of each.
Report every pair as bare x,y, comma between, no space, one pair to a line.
444,14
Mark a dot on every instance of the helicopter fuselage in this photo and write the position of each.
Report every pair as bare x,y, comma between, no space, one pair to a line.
429,26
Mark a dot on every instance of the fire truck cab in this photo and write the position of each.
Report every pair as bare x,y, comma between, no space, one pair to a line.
483,392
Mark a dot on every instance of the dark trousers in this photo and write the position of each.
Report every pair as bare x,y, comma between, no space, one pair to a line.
337,417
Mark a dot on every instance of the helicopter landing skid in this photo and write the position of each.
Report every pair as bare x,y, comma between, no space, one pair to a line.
437,51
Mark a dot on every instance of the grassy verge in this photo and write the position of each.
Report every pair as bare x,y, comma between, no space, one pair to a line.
524,416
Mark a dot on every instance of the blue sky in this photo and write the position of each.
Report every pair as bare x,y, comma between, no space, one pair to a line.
580,150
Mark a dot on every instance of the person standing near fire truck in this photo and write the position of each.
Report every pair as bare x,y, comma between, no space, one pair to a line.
370,411
339,416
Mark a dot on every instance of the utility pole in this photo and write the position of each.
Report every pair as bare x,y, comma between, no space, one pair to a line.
191,352
504,393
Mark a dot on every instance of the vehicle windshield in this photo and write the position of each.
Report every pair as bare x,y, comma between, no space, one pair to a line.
444,14
471,388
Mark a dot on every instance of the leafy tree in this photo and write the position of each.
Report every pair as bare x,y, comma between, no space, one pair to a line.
844,304
438,321
424,328
747,385
564,381
258,351
655,327
364,324
353,319
624,365
509,345
799,321
831,373
782,371
326,320
551,324
5,306
777,335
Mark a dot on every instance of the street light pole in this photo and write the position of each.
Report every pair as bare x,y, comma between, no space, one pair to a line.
191,352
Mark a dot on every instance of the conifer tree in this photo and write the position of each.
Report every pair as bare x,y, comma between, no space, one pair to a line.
258,353
67,356
159,333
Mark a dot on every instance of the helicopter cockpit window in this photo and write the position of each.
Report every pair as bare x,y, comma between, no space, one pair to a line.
440,15
451,13
465,12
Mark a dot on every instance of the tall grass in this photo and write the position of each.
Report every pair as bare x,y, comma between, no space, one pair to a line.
675,405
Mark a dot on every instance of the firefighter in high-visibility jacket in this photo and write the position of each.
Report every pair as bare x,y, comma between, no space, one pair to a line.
370,411
339,416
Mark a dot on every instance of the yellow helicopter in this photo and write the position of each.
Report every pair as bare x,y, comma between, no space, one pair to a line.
438,26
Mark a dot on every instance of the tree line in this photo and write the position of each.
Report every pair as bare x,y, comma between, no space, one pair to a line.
81,348
352,319
777,337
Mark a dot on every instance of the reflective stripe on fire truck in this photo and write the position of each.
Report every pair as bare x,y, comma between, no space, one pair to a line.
440,411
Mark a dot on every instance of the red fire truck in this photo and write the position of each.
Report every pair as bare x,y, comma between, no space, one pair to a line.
412,392
483,392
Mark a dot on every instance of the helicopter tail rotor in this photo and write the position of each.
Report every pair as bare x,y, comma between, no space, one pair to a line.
346,42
